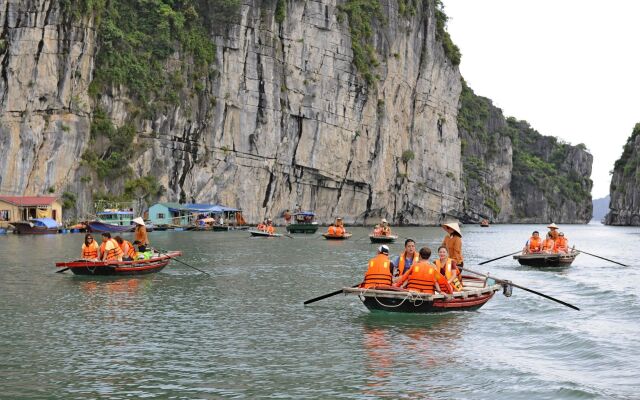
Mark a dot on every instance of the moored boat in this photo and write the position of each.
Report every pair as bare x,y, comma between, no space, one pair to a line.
548,260
100,227
382,239
112,221
137,267
484,223
344,236
304,223
36,226
263,234
476,293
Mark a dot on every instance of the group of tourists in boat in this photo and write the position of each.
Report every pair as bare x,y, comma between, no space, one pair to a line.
413,270
555,242
266,226
117,248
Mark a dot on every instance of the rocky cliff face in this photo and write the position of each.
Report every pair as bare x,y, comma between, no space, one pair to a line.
514,174
347,108
625,196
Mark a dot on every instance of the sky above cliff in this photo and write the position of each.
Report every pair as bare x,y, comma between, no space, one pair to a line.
570,68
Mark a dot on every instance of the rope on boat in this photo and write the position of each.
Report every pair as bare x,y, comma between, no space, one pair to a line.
409,295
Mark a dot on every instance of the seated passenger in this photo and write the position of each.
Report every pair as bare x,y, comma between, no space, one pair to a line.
385,230
270,229
379,270
561,244
448,268
331,230
262,226
548,244
534,244
90,248
424,277
340,231
377,231
127,249
109,249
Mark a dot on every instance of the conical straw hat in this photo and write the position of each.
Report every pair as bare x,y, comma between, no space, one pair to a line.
139,221
454,226
552,226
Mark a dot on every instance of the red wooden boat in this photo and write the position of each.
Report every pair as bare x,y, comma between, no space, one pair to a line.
476,293
137,267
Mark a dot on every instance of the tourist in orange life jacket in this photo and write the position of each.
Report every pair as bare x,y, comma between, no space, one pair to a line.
548,244
262,226
331,230
453,242
534,244
90,248
129,252
404,261
379,270
377,231
424,277
287,217
561,244
109,249
553,230
448,268
270,229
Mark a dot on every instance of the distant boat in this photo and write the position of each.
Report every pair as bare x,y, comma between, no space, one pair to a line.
137,267
382,239
264,234
304,223
36,226
112,221
484,223
548,260
344,236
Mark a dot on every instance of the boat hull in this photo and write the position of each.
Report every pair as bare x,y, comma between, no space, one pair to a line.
302,228
391,299
263,234
101,227
120,268
540,260
24,228
336,237
382,239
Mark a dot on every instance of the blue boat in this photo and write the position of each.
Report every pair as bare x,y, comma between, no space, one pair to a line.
36,226
112,221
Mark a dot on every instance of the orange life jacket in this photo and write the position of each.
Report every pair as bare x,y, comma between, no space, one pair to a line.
449,273
128,249
548,245
401,262
561,244
113,254
270,229
385,231
90,252
377,232
340,231
378,272
535,244
331,230
261,227
421,277
453,243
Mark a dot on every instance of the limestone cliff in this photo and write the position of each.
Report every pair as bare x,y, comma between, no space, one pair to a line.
347,107
625,196
514,174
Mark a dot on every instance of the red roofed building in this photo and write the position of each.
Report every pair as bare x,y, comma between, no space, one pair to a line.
23,208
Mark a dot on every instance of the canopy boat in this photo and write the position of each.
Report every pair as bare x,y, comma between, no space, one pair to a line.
382,239
476,293
345,236
112,221
137,267
36,226
304,223
263,233
547,259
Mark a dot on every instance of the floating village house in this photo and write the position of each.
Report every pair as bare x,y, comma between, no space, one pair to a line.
186,214
24,208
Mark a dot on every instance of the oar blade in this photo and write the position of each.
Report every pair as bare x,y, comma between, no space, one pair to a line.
324,296
545,296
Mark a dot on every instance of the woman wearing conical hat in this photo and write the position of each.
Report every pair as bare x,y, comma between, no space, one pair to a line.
453,242
553,230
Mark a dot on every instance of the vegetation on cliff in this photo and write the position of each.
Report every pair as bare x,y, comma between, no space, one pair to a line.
629,161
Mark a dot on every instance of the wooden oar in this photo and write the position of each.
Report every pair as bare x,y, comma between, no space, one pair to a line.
593,255
494,259
61,270
324,296
164,252
521,287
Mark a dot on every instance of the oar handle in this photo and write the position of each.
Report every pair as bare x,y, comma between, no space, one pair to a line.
324,296
164,252
494,259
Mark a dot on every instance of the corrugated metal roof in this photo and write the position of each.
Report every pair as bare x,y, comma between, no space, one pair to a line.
29,201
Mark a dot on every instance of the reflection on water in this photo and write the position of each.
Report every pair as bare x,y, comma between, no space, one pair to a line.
244,333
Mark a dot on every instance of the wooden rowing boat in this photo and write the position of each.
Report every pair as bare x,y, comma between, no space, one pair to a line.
382,239
476,293
345,236
137,267
264,234
546,260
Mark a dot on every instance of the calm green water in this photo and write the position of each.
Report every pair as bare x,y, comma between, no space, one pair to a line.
243,333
